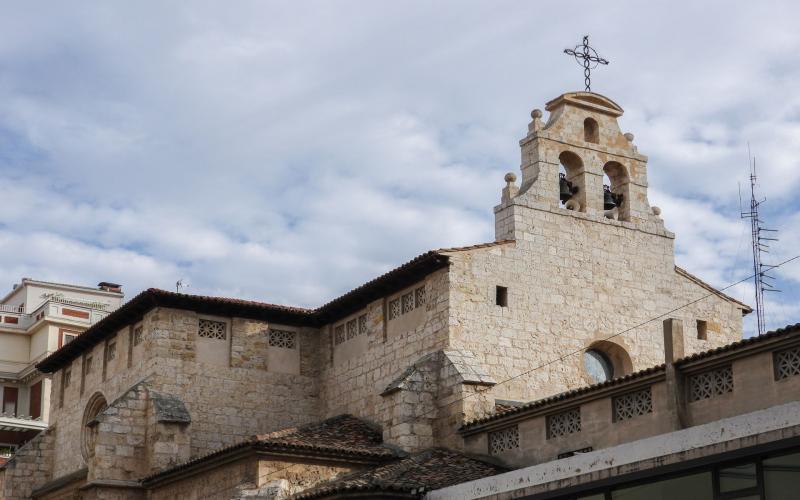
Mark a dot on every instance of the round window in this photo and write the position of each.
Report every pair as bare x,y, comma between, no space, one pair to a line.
597,366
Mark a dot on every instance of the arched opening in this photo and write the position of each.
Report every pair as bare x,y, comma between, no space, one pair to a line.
591,130
571,182
96,405
605,360
616,191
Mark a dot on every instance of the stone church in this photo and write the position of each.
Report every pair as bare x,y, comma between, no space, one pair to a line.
184,396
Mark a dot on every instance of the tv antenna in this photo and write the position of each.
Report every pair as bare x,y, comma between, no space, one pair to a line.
763,282
180,285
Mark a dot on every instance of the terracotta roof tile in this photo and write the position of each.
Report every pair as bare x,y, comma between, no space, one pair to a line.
343,434
340,436
413,475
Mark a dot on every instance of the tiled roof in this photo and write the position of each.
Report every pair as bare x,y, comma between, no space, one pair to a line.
504,411
396,279
413,476
786,331
343,436
533,405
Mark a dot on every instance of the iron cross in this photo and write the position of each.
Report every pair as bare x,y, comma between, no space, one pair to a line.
588,58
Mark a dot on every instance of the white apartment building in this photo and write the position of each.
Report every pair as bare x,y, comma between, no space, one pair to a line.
36,319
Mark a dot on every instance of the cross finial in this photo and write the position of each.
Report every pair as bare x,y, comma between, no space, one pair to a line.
588,58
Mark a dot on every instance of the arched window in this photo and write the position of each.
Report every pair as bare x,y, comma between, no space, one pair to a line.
591,130
605,360
597,366
96,405
570,182
616,191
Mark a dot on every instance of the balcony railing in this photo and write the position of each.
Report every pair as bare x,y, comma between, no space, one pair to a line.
75,311
10,308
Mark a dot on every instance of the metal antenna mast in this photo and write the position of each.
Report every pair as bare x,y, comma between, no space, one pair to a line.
762,280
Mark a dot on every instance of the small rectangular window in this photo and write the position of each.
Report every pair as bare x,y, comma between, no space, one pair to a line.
87,366
501,296
67,378
702,330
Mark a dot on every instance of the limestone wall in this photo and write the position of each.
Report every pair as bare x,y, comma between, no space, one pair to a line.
572,282
227,404
353,383
30,467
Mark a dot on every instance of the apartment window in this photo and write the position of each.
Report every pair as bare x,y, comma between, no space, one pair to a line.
65,337
111,351
67,378
10,395
702,329
501,296
36,400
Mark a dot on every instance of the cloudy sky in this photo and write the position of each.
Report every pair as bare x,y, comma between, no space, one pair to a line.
289,151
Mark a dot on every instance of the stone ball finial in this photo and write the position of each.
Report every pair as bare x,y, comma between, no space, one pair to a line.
656,210
510,177
536,113
629,136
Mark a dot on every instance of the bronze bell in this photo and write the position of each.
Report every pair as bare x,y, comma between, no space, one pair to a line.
565,188
611,199
608,198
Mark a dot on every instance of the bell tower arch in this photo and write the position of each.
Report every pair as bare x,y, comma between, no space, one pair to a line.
564,161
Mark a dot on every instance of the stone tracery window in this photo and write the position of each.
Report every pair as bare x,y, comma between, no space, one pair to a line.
562,424
711,384
408,302
138,335
284,339
209,329
504,440
394,308
633,405
787,363
338,334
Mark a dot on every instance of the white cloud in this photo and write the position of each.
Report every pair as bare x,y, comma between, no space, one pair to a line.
289,152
